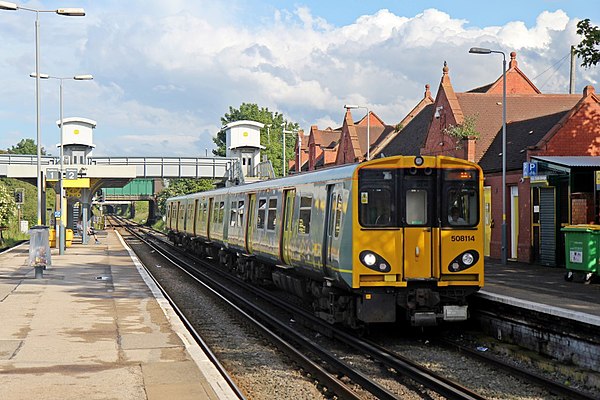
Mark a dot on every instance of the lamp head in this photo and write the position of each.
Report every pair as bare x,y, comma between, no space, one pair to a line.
5,5
479,50
83,77
71,12
42,76
350,106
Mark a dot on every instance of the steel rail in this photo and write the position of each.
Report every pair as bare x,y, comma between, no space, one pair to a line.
326,378
403,366
553,387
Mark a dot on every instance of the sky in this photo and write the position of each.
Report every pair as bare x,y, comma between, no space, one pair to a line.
165,72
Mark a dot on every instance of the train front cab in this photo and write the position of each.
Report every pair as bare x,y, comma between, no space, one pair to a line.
410,256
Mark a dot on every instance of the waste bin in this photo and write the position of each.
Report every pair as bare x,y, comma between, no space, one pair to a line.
51,237
69,237
582,250
39,249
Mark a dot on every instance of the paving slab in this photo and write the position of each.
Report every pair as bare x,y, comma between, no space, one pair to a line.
94,327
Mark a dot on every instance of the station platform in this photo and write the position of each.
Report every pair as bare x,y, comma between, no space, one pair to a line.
95,327
541,288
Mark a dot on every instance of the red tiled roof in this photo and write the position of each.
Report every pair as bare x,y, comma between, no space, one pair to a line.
326,138
487,108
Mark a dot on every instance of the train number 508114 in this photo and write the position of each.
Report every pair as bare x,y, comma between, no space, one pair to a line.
462,238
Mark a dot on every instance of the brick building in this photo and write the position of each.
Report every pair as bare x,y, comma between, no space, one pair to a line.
538,125
555,138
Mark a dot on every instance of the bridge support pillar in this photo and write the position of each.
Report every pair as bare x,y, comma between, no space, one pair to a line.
152,212
85,214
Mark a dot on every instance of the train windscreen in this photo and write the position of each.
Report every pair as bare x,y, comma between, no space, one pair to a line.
418,197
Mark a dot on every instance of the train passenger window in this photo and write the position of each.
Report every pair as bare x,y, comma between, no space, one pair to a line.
262,210
215,212
272,217
233,214
338,216
221,211
240,213
305,211
204,212
190,211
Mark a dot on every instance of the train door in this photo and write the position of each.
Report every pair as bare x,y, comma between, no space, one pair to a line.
288,218
332,225
250,221
202,216
417,218
180,216
209,217
195,217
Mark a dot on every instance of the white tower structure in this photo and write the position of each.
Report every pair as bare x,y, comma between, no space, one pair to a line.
243,142
77,140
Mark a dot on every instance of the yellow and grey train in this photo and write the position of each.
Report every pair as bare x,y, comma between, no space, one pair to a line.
396,238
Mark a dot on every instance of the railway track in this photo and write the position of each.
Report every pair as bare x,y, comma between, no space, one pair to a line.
394,363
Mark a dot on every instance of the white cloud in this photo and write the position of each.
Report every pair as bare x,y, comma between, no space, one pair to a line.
165,74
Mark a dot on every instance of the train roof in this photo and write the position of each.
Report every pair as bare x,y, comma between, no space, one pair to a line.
335,173
325,174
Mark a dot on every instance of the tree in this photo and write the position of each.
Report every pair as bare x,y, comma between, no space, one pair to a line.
26,146
270,135
7,205
466,130
29,208
7,209
179,187
589,48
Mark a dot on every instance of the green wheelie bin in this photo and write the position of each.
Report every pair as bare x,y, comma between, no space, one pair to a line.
582,251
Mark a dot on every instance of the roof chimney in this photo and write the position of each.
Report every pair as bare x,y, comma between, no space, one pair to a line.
588,90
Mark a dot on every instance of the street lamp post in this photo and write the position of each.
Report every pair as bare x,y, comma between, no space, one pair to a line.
70,12
351,107
60,231
479,50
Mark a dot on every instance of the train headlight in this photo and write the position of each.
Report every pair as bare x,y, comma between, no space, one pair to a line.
468,259
374,261
369,259
419,161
